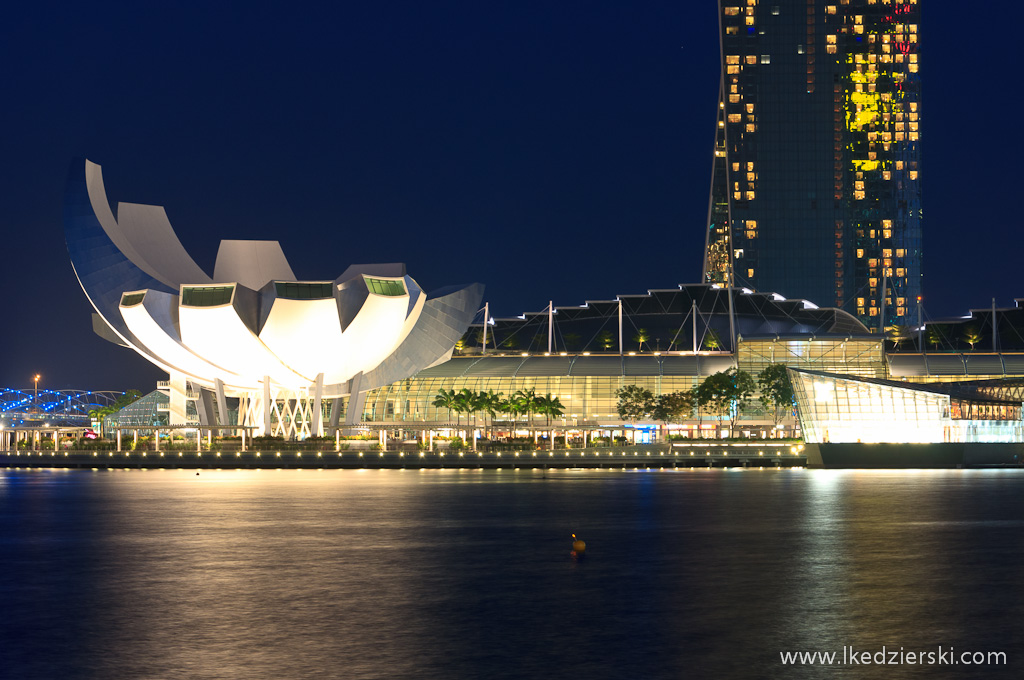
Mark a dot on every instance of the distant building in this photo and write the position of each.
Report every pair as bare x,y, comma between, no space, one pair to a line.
816,176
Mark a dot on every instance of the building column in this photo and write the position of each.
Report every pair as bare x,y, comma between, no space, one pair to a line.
315,426
119,439
266,406
178,414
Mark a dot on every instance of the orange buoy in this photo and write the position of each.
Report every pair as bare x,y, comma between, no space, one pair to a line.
578,547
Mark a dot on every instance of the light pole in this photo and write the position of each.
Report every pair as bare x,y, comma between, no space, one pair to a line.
35,396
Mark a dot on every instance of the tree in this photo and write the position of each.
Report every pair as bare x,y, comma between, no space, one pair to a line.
605,340
971,335
711,340
126,399
446,399
776,390
511,342
935,334
642,336
673,406
635,402
526,402
897,334
550,407
727,392
571,341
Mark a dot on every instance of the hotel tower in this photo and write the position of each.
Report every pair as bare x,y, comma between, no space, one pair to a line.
815,188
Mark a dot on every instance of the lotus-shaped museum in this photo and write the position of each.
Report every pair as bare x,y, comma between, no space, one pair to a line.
252,330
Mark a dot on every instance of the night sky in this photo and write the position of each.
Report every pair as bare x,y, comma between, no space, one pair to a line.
550,150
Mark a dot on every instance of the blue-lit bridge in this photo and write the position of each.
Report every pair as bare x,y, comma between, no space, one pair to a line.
30,407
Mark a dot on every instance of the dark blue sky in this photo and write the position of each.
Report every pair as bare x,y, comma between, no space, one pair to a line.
548,150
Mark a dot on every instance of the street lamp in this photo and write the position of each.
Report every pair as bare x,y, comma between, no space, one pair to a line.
35,396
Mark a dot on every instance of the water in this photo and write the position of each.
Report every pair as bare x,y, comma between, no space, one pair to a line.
467,574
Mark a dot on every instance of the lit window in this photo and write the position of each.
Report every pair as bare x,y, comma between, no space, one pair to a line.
751,59
385,287
766,59
731,11
734,118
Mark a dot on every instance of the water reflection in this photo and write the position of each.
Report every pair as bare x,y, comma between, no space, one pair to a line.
368,574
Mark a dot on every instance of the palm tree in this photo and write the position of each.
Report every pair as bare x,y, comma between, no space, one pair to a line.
935,334
640,338
526,402
605,340
550,407
898,334
971,335
490,402
711,340
446,399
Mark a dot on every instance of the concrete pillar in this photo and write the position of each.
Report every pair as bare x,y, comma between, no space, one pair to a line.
118,439
178,395
135,440
156,438
209,439
243,439
266,405
337,435
315,427
430,444
222,402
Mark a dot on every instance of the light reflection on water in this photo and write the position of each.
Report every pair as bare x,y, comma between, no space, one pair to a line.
466,574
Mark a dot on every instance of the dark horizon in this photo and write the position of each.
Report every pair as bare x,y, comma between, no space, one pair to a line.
551,153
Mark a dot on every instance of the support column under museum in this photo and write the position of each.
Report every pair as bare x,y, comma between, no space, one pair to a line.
179,395
266,406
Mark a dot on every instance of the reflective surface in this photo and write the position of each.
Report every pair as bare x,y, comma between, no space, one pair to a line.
447,574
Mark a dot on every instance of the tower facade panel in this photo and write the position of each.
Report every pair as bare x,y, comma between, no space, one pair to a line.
818,154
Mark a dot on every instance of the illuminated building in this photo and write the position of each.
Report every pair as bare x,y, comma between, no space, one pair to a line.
853,421
665,341
816,185
278,347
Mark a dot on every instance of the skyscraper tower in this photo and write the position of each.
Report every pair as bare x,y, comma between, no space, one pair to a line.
815,188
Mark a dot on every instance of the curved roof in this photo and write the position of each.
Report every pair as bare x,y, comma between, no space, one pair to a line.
579,365
669,322
253,321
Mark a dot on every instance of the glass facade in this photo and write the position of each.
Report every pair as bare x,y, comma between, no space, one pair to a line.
835,408
292,290
132,299
206,296
854,356
819,124
389,287
588,400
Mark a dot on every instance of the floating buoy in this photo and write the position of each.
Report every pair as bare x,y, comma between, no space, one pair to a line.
578,547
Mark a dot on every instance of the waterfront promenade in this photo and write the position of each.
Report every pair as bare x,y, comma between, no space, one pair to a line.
673,455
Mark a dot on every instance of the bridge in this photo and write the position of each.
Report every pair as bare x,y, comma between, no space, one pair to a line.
31,407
